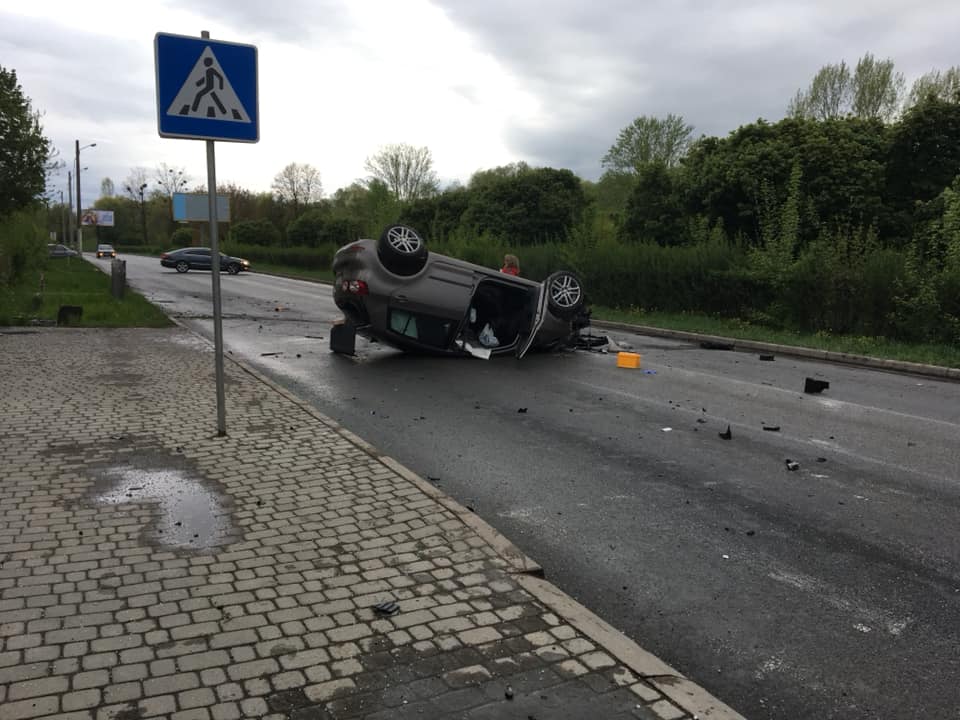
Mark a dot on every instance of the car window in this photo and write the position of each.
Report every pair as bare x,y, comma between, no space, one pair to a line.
201,251
433,331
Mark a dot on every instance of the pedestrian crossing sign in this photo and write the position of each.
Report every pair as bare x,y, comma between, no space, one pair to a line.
206,89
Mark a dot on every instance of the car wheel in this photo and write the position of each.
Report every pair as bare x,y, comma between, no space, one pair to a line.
401,250
233,268
182,266
564,294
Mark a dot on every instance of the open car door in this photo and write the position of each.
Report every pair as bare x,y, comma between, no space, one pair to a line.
527,335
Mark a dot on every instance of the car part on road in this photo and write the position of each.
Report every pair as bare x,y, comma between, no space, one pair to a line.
727,434
767,357
387,609
714,345
772,428
343,339
69,313
792,465
814,387
628,360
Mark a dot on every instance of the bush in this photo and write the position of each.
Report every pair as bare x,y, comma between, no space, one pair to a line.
255,232
181,237
22,245
319,258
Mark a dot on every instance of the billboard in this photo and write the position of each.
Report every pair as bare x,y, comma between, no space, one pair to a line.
103,218
194,207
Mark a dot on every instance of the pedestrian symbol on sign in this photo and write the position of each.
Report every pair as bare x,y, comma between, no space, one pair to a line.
215,99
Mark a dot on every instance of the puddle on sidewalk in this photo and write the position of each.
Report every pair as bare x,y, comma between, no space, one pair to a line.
191,514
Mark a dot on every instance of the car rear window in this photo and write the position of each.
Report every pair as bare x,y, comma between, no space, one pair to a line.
426,329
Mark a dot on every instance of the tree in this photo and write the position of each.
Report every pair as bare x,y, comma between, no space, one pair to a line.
538,205
941,86
297,184
106,187
169,179
649,139
652,212
24,150
135,179
872,92
877,89
406,170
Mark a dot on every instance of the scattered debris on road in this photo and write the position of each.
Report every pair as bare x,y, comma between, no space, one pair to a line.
521,410
508,692
768,357
270,354
714,345
814,387
387,609
727,434
792,465
772,428
667,429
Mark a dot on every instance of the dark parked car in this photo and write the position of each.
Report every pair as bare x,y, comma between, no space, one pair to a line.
106,251
198,258
394,291
56,250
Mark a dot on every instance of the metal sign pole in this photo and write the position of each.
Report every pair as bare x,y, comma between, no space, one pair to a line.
215,271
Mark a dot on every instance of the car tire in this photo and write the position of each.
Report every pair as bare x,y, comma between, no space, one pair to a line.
564,294
401,250
182,266
233,268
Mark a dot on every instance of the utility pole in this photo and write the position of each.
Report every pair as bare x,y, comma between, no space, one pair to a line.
79,210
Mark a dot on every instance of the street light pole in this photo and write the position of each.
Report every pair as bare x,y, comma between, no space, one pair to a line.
79,226
143,214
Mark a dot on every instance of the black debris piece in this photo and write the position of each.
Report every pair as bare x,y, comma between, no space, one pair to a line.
751,533
433,479
701,421
727,434
268,354
813,387
521,410
821,459
767,357
792,465
298,354
117,437
714,345
468,507
772,428
387,609
508,692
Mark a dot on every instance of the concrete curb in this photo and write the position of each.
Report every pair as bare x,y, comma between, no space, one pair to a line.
681,691
938,371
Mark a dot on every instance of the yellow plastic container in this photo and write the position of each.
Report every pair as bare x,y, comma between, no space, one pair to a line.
628,360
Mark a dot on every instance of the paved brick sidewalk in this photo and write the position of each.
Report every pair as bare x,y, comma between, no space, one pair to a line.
151,569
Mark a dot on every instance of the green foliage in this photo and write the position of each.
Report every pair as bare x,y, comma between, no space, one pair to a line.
938,85
649,140
653,212
255,232
873,91
532,206
316,227
23,245
306,258
181,237
24,150
924,158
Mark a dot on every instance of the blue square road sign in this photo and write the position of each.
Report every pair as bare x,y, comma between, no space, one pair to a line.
206,89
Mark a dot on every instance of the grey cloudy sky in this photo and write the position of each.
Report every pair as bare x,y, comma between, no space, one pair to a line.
480,83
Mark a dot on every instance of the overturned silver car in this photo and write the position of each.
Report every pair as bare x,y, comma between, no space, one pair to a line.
395,291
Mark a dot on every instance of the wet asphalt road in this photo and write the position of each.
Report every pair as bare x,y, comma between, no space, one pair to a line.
831,591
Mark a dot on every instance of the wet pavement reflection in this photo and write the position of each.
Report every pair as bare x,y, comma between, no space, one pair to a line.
192,514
